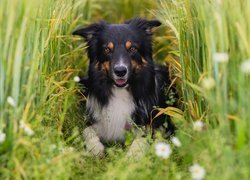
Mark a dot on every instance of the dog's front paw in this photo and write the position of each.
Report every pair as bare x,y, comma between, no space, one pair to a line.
93,143
94,146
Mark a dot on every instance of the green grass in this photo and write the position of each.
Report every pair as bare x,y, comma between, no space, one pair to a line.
39,58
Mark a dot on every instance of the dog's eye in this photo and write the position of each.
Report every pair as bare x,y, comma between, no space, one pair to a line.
133,49
107,50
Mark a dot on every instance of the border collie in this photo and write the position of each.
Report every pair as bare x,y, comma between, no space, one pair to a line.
123,83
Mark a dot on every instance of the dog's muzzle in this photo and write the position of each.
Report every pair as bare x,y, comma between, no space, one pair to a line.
120,75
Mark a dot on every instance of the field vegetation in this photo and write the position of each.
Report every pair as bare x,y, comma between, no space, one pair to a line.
206,45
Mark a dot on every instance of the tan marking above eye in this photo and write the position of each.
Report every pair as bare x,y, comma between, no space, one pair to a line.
111,45
128,44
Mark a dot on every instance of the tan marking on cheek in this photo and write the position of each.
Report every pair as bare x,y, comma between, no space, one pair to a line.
128,44
97,65
144,62
111,45
105,66
135,66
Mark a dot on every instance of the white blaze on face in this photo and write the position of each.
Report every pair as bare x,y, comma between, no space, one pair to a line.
111,119
120,80
120,63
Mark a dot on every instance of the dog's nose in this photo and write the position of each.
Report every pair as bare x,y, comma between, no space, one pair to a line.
120,71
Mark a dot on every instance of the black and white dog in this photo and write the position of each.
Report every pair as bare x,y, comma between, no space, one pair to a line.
123,83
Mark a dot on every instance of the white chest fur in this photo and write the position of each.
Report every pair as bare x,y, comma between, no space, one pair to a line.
111,119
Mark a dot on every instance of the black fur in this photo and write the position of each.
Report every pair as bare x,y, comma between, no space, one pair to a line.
146,85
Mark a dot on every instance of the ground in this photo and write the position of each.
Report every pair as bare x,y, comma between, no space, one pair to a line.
205,43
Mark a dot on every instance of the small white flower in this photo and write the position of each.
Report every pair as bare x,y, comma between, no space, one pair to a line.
2,137
198,125
77,79
208,83
220,57
11,101
219,2
245,66
65,150
197,172
53,13
53,147
70,149
176,141
163,150
26,128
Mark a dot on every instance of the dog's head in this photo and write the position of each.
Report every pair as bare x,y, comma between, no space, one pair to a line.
119,50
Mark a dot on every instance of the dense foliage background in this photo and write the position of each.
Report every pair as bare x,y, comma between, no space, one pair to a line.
207,47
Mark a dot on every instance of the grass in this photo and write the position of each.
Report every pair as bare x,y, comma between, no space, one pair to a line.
39,58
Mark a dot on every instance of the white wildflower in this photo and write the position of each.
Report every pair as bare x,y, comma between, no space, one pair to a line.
11,101
219,2
2,137
176,141
53,147
197,172
163,150
77,79
220,57
54,13
208,83
70,149
198,125
26,128
245,66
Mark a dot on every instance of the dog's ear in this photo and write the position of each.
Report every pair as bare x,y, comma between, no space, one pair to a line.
143,24
90,31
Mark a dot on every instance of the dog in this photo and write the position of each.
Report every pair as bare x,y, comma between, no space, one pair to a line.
123,83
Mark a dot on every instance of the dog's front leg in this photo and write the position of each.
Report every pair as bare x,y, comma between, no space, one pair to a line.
93,143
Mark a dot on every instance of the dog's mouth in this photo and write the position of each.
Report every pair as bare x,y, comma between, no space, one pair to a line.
120,82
